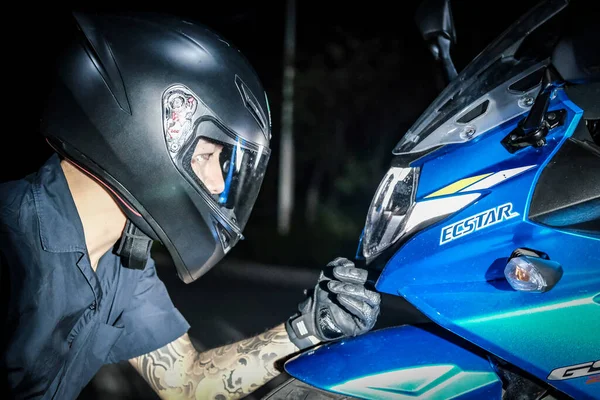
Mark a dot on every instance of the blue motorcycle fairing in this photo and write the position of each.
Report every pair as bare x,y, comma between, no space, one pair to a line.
405,362
453,271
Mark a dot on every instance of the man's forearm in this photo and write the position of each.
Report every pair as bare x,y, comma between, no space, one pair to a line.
178,371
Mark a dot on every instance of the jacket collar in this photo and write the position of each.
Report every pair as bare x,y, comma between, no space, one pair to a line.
61,229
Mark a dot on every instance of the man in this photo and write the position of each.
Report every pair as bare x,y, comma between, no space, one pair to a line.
161,130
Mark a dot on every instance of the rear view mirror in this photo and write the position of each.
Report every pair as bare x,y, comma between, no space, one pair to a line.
434,19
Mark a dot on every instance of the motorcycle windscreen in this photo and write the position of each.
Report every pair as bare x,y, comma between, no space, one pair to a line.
497,64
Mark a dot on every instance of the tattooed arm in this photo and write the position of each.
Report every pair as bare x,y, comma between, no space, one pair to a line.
178,371
337,307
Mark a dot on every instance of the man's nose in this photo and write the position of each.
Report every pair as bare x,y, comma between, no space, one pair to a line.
214,178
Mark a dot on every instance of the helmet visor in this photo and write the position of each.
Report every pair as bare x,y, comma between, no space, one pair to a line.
230,174
225,168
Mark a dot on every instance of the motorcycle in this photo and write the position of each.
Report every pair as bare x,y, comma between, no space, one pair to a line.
487,222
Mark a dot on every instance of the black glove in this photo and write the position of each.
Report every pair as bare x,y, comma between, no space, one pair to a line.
340,305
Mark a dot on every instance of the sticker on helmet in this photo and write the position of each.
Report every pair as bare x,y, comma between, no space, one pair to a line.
179,107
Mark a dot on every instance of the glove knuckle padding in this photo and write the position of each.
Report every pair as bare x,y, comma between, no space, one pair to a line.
340,305
359,292
341,262
351,289
350,274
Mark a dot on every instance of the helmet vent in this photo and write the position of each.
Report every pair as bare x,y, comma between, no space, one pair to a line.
252,105
101,55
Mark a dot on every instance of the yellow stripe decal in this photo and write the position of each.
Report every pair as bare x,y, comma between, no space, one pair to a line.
458,185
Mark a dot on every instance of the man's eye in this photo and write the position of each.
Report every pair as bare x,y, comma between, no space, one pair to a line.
205,157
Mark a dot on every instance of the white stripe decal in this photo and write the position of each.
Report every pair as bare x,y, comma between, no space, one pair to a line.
302,328
437,208
496,178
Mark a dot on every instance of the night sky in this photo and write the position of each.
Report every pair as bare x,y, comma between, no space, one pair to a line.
257,29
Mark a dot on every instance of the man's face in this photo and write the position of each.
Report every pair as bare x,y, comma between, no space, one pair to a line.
206,165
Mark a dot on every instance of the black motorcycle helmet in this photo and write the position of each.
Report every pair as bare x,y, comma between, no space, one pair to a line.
173,120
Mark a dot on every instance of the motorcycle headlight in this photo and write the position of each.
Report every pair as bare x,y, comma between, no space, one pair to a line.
394,212
387,215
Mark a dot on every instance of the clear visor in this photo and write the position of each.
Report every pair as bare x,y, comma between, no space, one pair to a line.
227,170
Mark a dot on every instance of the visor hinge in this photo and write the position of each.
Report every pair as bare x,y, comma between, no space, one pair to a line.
134,247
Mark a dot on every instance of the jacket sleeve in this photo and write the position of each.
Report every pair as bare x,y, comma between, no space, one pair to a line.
151,321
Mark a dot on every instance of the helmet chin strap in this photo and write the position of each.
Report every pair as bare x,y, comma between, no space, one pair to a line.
134,247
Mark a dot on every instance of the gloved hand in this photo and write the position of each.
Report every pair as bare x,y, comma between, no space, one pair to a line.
340,305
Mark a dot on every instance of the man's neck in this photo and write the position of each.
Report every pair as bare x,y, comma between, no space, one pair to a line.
102,219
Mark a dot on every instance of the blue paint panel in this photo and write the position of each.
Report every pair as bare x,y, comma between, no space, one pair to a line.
404,352
461,286
483,155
